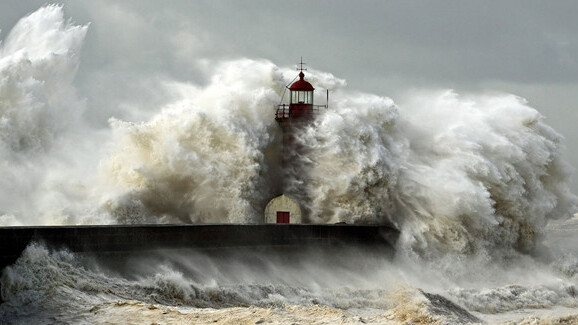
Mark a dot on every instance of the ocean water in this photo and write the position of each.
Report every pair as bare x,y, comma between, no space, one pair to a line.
474,182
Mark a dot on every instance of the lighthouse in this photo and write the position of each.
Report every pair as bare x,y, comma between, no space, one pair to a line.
293,118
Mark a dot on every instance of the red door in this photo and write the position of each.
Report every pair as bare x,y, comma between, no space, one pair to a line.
282,216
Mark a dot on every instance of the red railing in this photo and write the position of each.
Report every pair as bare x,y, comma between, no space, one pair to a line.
283,111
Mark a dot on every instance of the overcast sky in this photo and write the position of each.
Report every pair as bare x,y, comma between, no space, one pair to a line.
528,48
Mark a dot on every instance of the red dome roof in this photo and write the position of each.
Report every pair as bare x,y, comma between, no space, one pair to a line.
301,84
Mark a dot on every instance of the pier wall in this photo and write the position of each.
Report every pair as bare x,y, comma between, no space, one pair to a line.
123,239
114,244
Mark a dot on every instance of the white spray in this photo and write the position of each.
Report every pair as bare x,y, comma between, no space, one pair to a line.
456,174
40,119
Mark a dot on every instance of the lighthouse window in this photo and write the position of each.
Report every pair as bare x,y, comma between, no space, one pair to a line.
302,97
308,97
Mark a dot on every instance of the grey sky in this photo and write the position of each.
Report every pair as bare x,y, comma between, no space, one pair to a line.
529,48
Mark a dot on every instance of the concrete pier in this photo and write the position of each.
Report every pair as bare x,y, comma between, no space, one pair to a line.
118,241
129,238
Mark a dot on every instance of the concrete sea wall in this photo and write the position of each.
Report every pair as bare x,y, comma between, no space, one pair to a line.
130,238
114,243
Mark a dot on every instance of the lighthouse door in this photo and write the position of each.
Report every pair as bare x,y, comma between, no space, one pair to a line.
282,216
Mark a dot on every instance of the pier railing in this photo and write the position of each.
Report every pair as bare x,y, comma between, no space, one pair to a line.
284,112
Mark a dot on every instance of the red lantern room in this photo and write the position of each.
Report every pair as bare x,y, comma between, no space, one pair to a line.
301,94
300,108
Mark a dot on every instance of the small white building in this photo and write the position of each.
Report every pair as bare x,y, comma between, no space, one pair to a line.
282,209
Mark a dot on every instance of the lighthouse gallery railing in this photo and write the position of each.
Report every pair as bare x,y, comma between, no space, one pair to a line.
283,111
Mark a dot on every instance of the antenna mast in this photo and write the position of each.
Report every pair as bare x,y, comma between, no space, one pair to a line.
300,68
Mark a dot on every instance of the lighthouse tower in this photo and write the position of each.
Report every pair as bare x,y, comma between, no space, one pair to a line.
293,118
298,113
